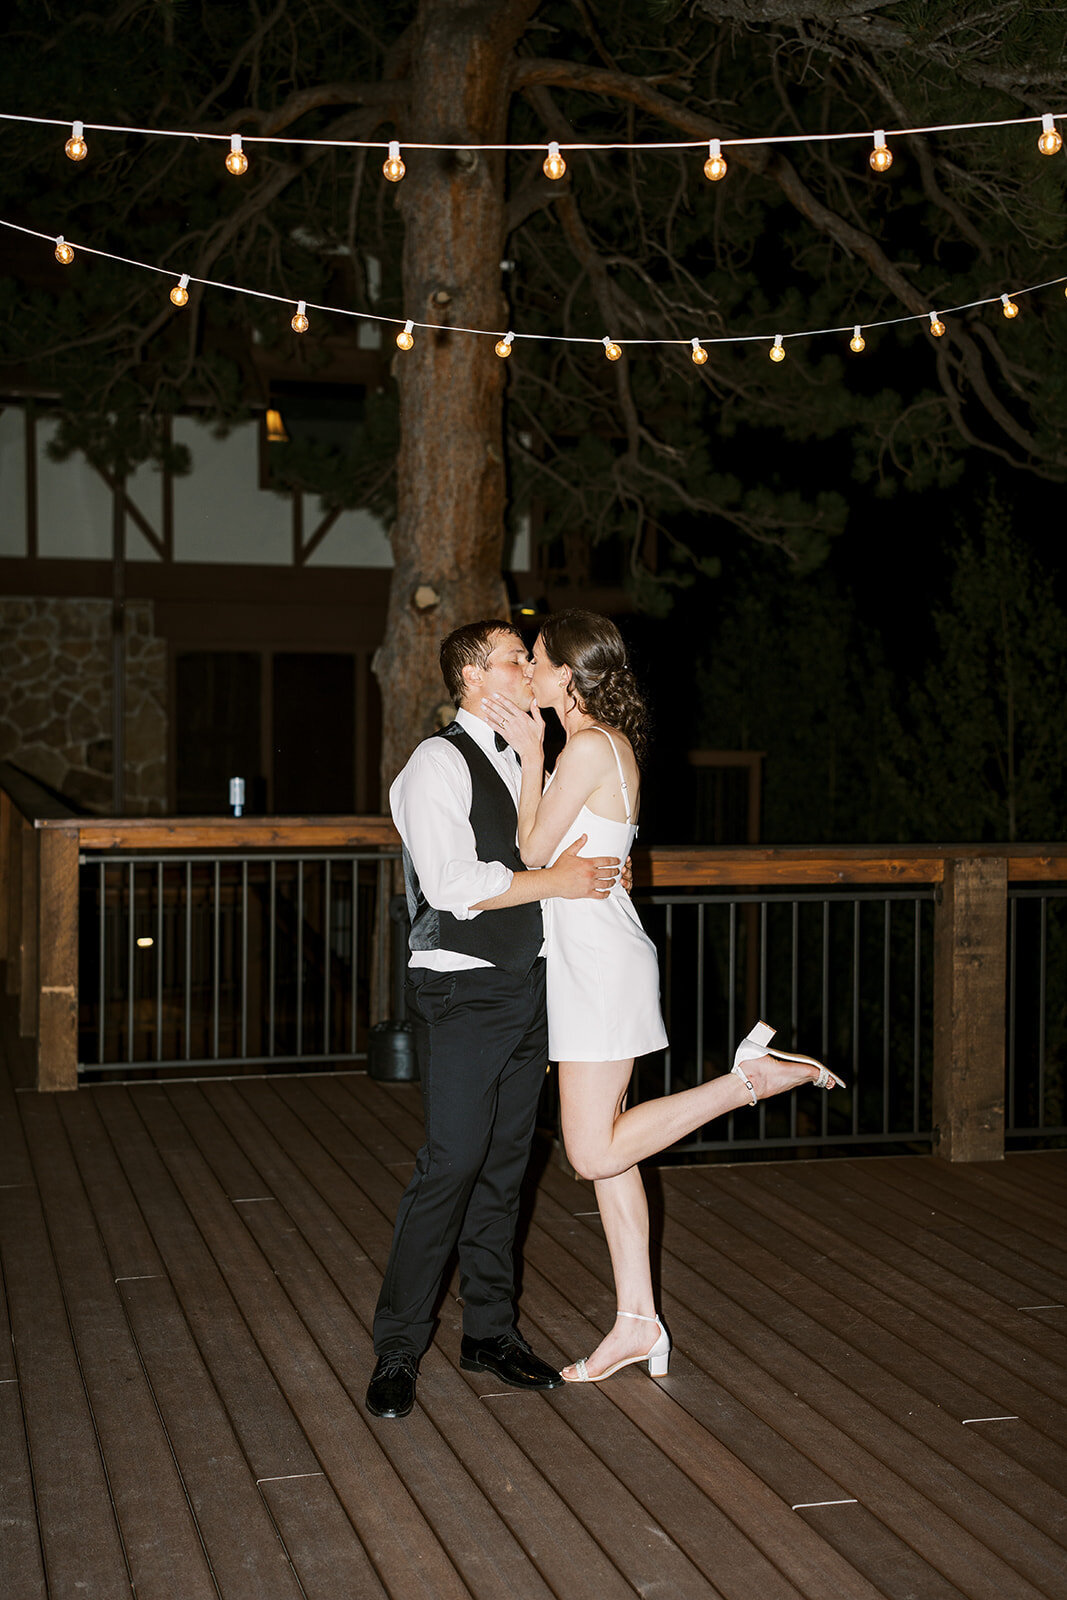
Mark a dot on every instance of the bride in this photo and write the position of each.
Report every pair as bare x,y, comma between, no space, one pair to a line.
601,968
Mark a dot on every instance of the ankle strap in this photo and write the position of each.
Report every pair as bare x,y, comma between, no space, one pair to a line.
636,1316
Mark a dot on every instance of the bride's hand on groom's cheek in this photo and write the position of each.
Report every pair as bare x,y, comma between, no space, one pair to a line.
524,731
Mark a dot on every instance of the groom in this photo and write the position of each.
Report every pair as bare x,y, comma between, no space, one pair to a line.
476,996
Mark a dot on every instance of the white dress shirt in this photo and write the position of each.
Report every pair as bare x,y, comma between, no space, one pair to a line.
430,801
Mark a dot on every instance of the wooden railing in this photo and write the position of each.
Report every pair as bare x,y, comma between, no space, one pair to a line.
41,843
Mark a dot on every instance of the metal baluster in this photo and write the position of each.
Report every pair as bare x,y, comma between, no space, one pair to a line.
762,1112
244,959
273,957
825,1109
668,997
1041,1008
326,967
382,923
355,948
215,969
916,1018
794,1006
102,883
129,964
188,958
885,1020
700,993
300,956
159,959
1013,936
731,1005
855,1015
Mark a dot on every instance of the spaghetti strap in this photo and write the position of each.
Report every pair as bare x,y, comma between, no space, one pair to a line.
618,763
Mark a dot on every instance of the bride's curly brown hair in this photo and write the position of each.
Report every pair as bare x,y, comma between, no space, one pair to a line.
601,679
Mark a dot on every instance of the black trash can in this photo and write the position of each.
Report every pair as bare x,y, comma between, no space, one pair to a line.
391,1047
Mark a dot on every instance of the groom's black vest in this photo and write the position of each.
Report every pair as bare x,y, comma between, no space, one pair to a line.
512,938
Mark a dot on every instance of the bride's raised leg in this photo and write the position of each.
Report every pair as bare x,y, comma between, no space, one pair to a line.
605,1141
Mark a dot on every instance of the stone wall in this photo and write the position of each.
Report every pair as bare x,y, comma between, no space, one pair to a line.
55,700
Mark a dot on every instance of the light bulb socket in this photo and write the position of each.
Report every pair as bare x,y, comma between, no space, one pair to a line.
77,129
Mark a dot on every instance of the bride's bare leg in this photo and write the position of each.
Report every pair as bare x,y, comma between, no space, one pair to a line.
624,1214
602,1143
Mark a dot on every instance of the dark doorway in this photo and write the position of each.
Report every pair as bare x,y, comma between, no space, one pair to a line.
217,696
314,699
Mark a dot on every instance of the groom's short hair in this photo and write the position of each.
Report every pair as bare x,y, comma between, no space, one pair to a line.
469,646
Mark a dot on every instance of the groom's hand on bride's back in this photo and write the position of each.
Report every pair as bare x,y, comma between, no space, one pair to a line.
578,877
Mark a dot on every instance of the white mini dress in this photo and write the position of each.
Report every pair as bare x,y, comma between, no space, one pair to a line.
601,968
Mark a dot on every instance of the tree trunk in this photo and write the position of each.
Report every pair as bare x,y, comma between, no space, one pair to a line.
449,533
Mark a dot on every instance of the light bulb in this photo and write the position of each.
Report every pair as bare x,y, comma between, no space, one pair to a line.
64,251
699,355
180,293
881,157
857,342
503,346
553,165
1049,140
393,168
1010,308
76,147
612,350
715,165
404,339
299,324
236,161
776,351
937,327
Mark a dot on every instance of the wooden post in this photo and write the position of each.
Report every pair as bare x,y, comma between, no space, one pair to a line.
27,948
13,846
57,1004
970,966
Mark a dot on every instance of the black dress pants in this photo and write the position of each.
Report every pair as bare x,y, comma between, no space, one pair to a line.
481,1037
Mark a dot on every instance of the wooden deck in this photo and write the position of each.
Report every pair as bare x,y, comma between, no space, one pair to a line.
867,1396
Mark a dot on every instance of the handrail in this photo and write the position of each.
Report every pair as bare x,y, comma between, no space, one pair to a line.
33,799
41,841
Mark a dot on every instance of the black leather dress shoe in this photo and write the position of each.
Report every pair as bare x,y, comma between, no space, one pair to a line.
391,1391
510,1357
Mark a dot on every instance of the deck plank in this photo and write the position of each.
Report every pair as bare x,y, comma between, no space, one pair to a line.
834,1325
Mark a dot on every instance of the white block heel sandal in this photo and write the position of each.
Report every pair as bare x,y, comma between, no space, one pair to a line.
757,1043
658,1357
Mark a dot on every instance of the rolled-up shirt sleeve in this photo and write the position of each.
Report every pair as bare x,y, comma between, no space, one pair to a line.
430,802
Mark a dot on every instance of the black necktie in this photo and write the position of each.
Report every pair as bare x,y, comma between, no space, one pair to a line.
501,743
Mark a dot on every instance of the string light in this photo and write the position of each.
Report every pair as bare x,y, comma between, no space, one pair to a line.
715,165
393,168
700,355
553,165
503,346
612,350
404,339
65,253
76,147
857,342
1049,141
1010,308
236,161
776,351
881,157
180,293
299,324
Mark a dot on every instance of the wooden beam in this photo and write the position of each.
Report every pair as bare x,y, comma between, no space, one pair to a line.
6,822
970,968
57,998
28,948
